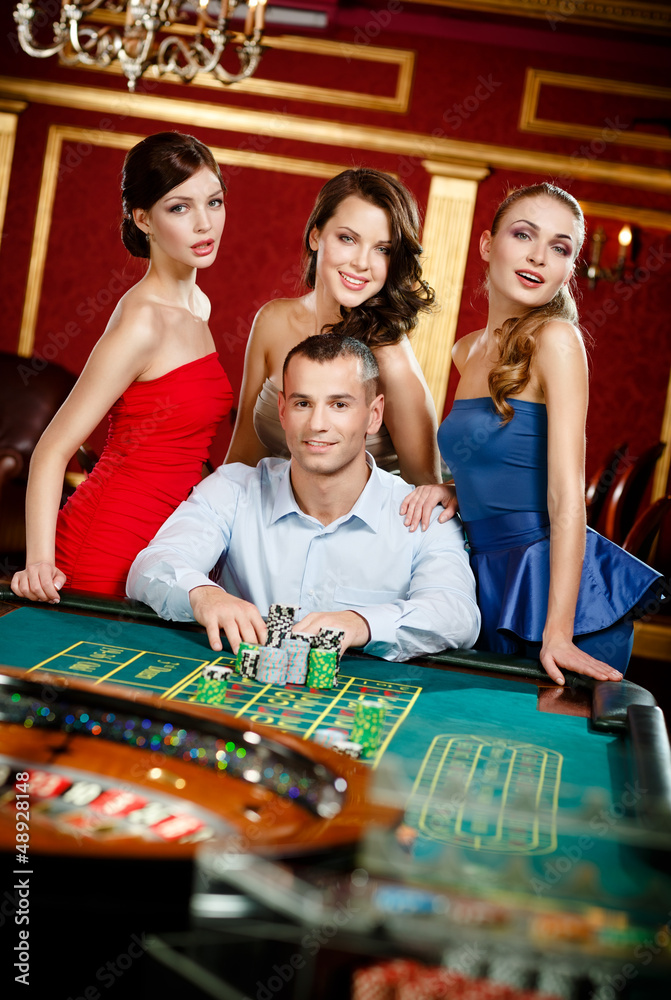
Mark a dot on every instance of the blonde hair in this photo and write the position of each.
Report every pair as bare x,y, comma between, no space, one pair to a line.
517,337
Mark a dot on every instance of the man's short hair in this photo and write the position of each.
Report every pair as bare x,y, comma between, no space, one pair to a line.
323,347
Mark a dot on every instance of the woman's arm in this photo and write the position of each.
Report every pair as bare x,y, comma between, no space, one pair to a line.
418,506
409,413
245,446
560,366
119,357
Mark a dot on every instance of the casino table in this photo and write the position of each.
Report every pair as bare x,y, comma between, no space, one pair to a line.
544,801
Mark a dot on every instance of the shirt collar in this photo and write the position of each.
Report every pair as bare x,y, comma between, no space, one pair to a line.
367,507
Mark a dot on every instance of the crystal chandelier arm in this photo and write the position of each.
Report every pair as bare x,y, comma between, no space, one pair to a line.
23,15
197,57
136,44
249,55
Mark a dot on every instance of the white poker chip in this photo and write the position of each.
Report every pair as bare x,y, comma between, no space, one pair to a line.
327,737
348,747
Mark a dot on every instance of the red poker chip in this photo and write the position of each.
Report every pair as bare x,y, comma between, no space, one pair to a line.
175,827
117,802
46,784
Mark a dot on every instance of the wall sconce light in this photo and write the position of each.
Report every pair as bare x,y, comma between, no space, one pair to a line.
593,270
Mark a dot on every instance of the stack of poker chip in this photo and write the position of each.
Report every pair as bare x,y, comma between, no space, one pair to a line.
322,669
348,747
337,739
247,659
213,684
297,648
328,638
272,667
280,622
368,723
325,658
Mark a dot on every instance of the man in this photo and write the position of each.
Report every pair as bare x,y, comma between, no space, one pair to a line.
322,530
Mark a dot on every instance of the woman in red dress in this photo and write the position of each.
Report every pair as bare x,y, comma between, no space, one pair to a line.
155,369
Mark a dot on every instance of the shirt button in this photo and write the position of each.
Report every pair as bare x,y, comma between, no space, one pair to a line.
311,593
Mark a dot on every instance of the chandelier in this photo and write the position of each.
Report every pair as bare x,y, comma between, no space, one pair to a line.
172,36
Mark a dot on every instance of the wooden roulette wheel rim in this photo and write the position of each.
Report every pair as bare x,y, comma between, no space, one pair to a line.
276,793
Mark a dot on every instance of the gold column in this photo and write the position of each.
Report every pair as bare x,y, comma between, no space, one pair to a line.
446,238
9,111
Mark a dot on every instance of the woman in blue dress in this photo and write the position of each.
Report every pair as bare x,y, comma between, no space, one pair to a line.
548,587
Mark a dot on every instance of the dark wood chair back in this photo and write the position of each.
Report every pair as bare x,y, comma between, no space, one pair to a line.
624,501
31,391
602,482
650,537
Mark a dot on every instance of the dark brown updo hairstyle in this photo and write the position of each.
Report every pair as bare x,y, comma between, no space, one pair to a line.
385,317
517,336
151,169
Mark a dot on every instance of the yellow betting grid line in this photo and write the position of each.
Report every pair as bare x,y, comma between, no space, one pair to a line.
61,652
437,774
555,804
392,731
460,813
328,708
179,686
120,666
541,782
423,766
504,796
251,702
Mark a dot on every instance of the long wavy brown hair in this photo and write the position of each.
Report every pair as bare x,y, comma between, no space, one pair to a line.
394,311
518,336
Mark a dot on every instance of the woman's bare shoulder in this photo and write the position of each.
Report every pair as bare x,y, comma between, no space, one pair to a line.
463,347
287,311
557,338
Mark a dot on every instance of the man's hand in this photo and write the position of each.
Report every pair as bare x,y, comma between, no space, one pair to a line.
357,632
217,610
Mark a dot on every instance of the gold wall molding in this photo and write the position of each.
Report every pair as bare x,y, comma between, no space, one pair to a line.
646,218
398,102
661,475
8,117
530,122
58,134
446,238
316,130
623,16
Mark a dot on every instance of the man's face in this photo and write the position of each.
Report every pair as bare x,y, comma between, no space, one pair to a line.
325,414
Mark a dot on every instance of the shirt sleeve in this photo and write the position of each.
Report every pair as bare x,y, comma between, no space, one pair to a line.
440,611
185,549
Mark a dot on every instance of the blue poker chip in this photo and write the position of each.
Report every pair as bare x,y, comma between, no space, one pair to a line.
399,899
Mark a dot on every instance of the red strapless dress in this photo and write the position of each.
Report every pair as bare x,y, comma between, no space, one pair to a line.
159,436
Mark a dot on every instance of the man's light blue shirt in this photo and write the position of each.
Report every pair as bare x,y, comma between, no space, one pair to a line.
415,589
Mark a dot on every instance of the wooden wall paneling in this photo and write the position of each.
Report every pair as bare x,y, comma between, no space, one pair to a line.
333,133
446,238
622,16
530,122
9,111
398,102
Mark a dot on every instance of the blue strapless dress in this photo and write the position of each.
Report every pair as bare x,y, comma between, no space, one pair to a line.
500,473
